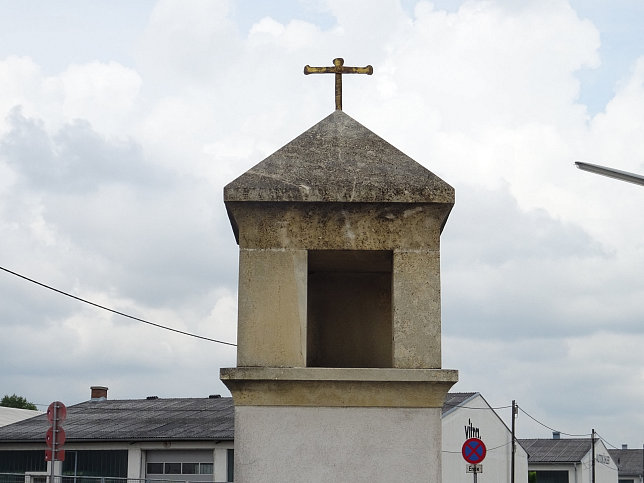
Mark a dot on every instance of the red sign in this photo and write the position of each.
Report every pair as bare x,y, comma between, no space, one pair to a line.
55,436
61,412
60,437
60,455
474,451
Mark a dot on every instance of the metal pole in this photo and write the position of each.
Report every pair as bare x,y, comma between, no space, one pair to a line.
514,446
593,447
53,444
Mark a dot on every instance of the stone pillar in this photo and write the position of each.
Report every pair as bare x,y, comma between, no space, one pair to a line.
338,373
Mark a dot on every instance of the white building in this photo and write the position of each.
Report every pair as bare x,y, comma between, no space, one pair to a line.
179,439
191,439
630,463
468,415
569,460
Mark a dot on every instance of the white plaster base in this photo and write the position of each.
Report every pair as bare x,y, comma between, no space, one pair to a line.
337,444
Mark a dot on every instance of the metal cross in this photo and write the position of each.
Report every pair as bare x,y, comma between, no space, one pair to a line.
338,69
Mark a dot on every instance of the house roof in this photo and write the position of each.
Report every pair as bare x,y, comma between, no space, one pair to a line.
629,461
567,450
339,160
12,415
455,399
137,419
179,419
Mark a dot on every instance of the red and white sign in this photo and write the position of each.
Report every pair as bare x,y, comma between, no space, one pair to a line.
474,451
61,412
55,436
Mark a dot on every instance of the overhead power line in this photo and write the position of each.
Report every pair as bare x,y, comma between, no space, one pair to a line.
552,429
116,311
494,408
488,449
605,441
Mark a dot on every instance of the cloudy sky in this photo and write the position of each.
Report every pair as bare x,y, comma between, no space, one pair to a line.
120,123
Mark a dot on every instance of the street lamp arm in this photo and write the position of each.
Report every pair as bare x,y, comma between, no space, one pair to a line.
611,172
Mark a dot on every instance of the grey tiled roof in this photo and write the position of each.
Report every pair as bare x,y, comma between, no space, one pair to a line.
177,419
567,450
455,399
137,419
629,461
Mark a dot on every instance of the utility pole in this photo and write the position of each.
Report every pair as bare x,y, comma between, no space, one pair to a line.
514,445
593,446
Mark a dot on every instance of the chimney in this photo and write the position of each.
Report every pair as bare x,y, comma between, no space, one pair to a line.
99,393
624,446
556,435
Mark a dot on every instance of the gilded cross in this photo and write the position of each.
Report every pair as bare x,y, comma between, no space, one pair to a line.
338,69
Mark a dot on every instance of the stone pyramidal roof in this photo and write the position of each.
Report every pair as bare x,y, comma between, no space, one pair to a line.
339,160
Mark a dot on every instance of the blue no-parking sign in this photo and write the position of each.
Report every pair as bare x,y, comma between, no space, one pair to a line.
474,451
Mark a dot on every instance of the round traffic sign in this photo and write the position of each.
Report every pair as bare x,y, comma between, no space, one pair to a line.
474,450
60,437
61,412
60,454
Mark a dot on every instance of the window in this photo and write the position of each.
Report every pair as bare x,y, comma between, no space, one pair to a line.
552,476
155,469
21,461
172,469
108,463
230,465
179,468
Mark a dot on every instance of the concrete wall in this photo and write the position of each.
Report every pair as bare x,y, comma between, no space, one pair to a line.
337,444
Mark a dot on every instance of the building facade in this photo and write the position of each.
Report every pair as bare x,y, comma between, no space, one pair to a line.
187,439
569,460
191,439
630,464
468,415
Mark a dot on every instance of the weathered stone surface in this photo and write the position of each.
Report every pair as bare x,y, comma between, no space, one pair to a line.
416,309
339,226
331,387
339,160
271,328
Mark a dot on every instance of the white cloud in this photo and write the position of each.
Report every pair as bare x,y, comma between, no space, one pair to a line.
20,84
111,182
103,94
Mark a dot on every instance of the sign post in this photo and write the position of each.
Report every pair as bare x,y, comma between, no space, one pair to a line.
55,437
474,452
